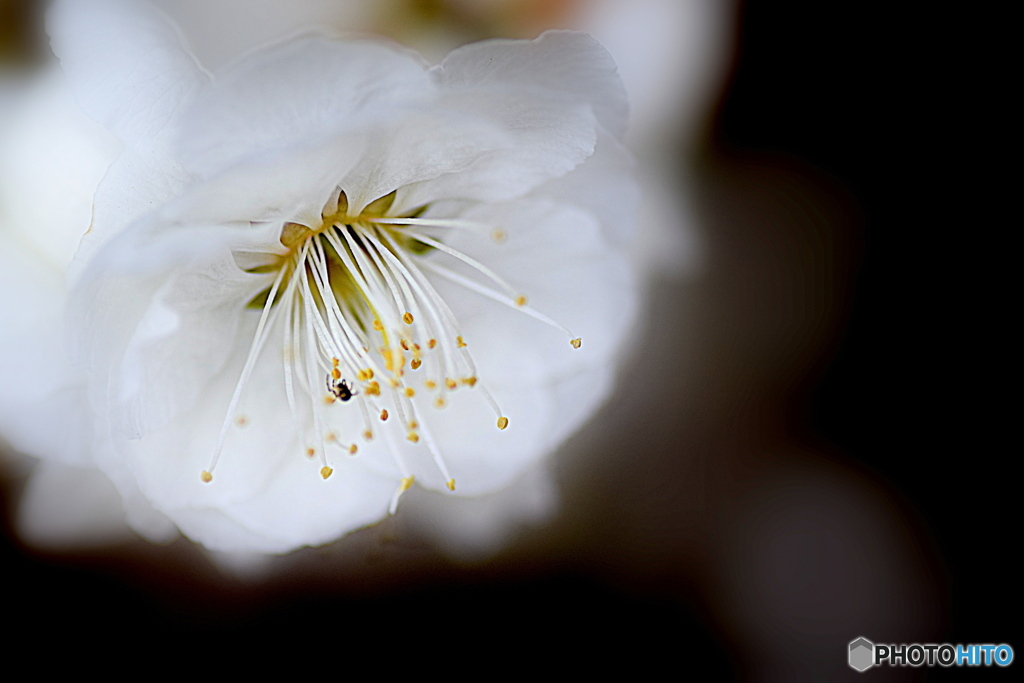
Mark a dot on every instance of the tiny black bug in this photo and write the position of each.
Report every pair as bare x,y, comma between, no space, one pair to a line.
340,388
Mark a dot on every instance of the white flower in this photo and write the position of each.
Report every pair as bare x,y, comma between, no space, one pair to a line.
304,286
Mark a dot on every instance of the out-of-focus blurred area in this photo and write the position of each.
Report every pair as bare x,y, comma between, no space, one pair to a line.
804,448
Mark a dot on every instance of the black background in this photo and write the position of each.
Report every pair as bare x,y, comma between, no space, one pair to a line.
891,104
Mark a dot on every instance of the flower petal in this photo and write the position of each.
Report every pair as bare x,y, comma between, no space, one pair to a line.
127,64
548,137
567,63
295,94
130,72
266,496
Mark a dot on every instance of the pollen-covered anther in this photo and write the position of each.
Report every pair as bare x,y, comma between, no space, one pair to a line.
353,449
413,424
520,301
404,344
383,416
450,484
407,318
502,422
377,325
415,364
373,389
469,381
450,383
406,483
410,392
576,343
430,384
326,472
439,402
413,437
431,343
310,452
368,435
206,477
335,373
328,399
460,342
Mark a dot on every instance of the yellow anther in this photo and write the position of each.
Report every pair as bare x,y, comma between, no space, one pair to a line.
326,472
393,361
469,381
405,344
450,383
373,389
415,364
576,343
430,384
407,318
413,424
392,382
331,437
439,402
336,373
328,399
460,343
450,484
334,363
406,483
384,415
415,348
502,422
431,343
410,392
413,437
368,435
499,235
361,376
353,449
377,325
310,452
206,477
520,301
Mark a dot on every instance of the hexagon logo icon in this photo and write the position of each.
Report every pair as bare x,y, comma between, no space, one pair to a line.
862,654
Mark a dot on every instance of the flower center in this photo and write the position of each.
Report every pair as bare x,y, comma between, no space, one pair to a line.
362,324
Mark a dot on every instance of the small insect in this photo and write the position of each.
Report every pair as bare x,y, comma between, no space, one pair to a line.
340,388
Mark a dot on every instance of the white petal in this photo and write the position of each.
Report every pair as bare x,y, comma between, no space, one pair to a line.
559,259
223,30
127,64
130,72
53,157
604,186
156,315
266,496
294,94
42,406
567,63
65,507
548,138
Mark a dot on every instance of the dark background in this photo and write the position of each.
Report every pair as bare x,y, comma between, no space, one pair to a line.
883,114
